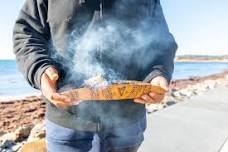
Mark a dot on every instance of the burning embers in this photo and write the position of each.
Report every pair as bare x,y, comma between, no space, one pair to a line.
96,82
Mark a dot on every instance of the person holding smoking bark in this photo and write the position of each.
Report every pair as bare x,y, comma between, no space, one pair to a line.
43,35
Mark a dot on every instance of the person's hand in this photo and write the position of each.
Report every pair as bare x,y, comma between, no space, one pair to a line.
154,97
48,88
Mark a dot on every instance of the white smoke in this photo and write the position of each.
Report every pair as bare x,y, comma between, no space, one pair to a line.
117,41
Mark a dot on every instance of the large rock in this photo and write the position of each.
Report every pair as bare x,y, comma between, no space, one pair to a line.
187,92
154,107
2,133
6,144
11,142
211,84
38,132
10,146
177,95
23,132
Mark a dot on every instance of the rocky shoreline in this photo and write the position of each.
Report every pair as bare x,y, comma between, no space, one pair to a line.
23,120
187,88
183,89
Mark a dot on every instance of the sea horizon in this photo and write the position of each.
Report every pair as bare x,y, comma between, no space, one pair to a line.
12,82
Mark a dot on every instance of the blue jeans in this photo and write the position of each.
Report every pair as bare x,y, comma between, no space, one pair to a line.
121,138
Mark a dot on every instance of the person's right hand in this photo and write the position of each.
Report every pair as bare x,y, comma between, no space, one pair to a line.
48,88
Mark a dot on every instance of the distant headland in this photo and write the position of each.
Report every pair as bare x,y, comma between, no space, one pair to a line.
201,58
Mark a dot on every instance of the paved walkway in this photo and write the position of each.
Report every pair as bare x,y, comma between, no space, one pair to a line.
199,125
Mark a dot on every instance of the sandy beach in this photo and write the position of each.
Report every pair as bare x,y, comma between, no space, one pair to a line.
23,113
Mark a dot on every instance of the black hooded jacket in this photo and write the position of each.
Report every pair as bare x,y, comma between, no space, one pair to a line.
123,39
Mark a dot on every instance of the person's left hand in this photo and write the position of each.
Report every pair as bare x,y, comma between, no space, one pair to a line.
154,97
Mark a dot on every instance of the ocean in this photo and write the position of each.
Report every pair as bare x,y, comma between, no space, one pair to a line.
12,82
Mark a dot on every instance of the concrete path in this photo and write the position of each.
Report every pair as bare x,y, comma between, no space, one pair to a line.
198,125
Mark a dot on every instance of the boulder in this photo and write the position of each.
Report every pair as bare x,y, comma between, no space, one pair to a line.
38,132
22,132
2,133
177,95
154,107
186,92
11,142
7,144
210,84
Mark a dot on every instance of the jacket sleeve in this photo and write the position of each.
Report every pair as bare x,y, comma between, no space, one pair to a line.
164,53
30,39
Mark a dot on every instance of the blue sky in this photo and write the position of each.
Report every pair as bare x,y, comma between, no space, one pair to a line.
199,26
